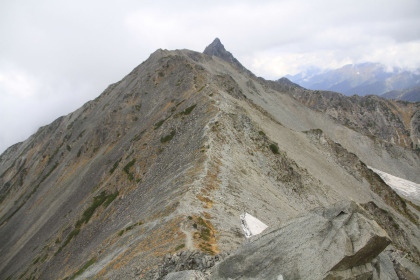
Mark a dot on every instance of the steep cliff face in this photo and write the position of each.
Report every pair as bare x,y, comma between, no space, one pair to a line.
152,176
393,121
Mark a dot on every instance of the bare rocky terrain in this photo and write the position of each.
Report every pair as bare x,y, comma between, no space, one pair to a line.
392,121
148,181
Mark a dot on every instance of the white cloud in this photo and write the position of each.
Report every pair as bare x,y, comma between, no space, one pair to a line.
28,102
17,84
274,64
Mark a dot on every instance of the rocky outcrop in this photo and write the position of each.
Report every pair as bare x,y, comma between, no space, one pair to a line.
387,120
338,242
217,49
182,264
323,243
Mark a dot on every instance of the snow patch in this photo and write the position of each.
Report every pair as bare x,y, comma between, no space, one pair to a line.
405,188
251,225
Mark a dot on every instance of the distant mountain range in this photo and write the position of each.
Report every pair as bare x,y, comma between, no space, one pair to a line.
363,79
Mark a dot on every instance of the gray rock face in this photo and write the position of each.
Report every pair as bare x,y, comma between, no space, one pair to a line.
217,49
184,264
184,275
387,120
323,243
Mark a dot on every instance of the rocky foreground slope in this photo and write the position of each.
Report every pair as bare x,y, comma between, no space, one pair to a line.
148,181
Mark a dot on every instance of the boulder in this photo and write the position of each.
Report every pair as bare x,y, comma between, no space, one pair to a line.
338,242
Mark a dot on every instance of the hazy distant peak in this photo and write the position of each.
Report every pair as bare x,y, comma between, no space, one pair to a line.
362,79
285,81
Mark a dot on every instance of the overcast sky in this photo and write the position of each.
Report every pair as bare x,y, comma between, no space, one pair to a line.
56,55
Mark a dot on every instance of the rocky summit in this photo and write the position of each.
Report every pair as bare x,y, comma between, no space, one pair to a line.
150,181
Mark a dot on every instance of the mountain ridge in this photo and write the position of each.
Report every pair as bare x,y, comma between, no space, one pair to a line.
410,94
160,166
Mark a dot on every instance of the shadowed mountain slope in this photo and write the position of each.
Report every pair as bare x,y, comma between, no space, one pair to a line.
150,178
410,95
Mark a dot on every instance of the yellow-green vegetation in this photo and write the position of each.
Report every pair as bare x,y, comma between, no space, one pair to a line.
127,167
205,235
97,201
159,123
44,258
110,198
81,270
205,230
179,247
121,232
188,110
102,198
138,136
179,82
35,261
274,148
179,103
72,234
115,166
168,137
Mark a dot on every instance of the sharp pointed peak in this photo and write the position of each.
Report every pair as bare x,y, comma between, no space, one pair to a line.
216,41
216,48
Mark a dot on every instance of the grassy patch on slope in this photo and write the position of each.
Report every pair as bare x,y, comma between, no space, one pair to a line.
102,198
